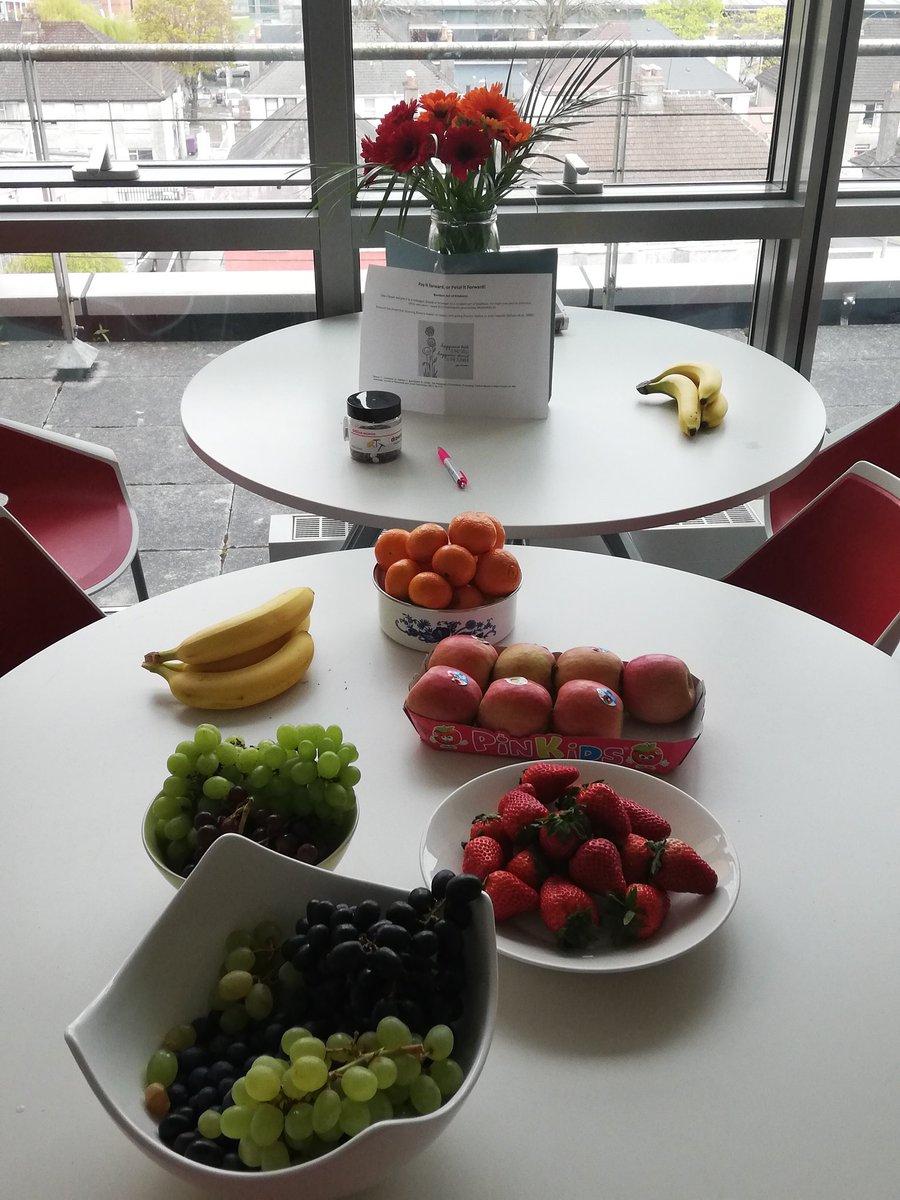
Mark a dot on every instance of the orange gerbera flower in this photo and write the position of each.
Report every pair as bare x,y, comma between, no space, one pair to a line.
513,134
439,107
488,107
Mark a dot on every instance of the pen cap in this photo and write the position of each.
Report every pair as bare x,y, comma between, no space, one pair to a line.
373,407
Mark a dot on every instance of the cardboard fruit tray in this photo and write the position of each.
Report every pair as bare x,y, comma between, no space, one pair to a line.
656,749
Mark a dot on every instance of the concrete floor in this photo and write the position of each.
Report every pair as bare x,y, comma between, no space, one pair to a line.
193,523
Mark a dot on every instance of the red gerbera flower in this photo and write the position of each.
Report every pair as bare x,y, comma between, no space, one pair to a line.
404,111
407,145
464,148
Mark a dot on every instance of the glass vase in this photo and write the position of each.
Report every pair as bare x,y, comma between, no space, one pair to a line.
468,233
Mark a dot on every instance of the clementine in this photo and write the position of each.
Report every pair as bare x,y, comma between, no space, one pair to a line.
390,546
474,530
467,596
501,534
398,576
498,573
455,563
430,590
425,539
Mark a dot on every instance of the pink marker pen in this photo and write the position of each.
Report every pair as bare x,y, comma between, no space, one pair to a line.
456,475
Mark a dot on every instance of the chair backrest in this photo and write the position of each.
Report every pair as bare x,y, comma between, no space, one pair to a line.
875,440
838,558
39,602
70,495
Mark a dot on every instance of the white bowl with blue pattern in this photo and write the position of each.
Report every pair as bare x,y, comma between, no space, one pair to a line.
421,628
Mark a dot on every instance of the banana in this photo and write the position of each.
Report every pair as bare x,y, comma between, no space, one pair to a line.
242,686
706,376
712,413
684,392
243,632
248,657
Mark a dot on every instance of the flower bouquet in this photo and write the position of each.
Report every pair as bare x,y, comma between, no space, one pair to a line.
463,153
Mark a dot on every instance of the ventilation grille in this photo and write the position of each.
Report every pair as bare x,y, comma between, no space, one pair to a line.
742,515
306,525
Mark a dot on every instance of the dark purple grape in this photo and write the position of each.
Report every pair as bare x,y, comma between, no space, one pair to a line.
420,899
203,817
183,1141
205,1152
440,881
396,937
463,889
206,835
174,1124
403,914
287,844
308,853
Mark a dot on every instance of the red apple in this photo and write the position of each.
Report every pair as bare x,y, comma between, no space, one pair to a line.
525,658
516,705
589,662
467,652
445,694
588,709
658,688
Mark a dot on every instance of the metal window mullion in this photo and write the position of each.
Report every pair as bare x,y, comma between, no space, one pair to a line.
808,142
328,38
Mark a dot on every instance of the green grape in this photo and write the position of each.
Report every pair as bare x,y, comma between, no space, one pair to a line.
290,1089
424,1094
234,1018
259,777
347,753
249,1153
227,754
327,746
392,1033
262,1083
209,1124
258,1002
207,763
238,937
178,827
328,765
339,1047
207,737
274,757
177,853
266,1124
235,985
178,764
312,733
264,744
241,1096
337,797
175,785
180,1037
301,802
307,1047
385,1071
367,1042
306,751
231,772
188,749
448,1075
397,1093
235,1122
335,734
165,807
349,776
292,1035
287,736
247,759
276,795
304,773
298,1122
326,1111
216,787
290,978
329,1136
267,933
354,1117
439,1042
380,1108
162,1067
275,1157
317,792
215,1001
241,958
408,1068
278,1065
308,1074
359,1083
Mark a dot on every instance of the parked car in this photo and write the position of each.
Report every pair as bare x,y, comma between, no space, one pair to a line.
239,70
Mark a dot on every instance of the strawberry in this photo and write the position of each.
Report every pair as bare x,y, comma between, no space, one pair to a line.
646,822
481,855
509,895
568,911
678,867
562,833
520,810
529,866
549,779
513,793
639,914
597,867
637,855
488,824
606,811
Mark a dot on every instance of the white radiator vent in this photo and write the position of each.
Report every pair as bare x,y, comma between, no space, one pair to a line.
294,534
742,515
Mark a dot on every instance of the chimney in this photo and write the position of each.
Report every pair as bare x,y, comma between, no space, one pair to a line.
650,88
888,126
410,86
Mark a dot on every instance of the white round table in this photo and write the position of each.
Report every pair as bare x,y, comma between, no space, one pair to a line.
763,1063
268,415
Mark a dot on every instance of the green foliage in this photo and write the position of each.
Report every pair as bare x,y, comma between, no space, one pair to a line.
42,264
765,22
117,29
689,19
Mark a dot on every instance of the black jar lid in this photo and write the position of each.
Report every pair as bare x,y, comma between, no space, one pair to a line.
373,406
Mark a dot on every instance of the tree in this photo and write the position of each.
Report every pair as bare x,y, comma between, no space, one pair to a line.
765,22
42,264
118,29
550,17
689,19
175,21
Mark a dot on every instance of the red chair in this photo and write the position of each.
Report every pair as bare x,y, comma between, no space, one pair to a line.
71,497
838,558
874,439
39,602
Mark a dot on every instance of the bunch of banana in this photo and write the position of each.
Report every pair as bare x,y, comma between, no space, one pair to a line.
244,659
696,388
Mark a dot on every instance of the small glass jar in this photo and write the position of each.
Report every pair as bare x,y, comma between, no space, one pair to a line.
373,426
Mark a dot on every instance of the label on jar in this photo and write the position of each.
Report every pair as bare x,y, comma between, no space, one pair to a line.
373,441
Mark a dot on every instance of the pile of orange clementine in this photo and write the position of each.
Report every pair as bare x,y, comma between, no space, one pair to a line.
462,566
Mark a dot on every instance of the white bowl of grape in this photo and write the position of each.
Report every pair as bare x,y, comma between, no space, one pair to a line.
286,1031
294,793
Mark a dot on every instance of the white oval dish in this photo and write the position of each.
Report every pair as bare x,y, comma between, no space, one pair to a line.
691,919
